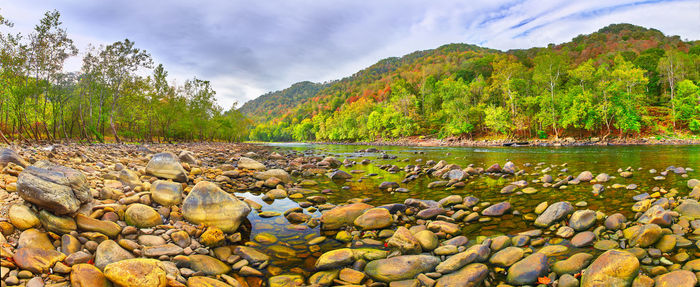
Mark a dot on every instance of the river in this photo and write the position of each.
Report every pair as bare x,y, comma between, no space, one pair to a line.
291,251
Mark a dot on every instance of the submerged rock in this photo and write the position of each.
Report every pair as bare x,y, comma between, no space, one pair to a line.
554,213
341,216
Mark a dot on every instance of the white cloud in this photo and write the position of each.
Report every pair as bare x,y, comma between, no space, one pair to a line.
246,48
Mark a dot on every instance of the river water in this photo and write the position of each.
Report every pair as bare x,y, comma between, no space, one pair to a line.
290,251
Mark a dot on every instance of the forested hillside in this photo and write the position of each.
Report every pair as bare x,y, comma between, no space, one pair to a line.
620,81
119,94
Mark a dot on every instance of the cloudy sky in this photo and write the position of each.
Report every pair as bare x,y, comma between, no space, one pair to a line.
247,48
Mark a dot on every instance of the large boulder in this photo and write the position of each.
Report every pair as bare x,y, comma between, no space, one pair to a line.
166,165
554,213
400,267
137,272
341,216
612,268
209,205
9,156
59,189
166,193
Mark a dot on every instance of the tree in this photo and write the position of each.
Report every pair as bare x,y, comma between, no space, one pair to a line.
626,83
687,101
120,61
548,69
49,48
672,68
505,69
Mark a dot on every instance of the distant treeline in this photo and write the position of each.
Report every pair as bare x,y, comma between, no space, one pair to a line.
109,99
621,81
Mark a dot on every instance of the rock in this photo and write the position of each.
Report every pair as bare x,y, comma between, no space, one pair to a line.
87,275
572,265
430,213
554,213
427,239
612,268
527,271
129,178
497,209
22,217
374,218
56,188
286,280
280,174
166,165
166,193
603,177
35,239
209,205
109,252
205,264
57,224
168,249
9,156
137,272
339,175
404,241
568,281
457,261
689,208
249,163
324,278
37,260
585,176
388,184
645,236
507,256
583,239
200,281
341,216
471,275
187,156
615,221
105,227
251,254
508,189
335,259
400,267
142,216
351,276
677,278
582,219
692,183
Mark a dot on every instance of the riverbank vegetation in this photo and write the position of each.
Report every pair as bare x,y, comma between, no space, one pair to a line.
119,94
621,81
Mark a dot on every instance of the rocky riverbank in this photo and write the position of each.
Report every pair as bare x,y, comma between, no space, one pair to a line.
169,215
568,141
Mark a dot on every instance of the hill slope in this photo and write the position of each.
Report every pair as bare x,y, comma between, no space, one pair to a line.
606,82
